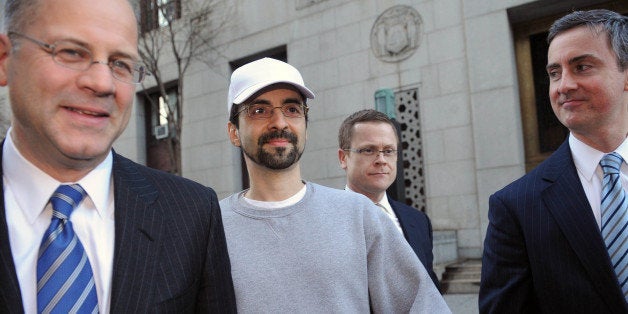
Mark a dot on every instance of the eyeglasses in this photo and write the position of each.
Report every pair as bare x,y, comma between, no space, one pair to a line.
73,56
387,153
265,111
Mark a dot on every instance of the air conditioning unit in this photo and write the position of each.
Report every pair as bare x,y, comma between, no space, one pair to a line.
161,131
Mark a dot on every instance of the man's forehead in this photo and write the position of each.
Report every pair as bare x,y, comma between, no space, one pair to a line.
363,129
363,125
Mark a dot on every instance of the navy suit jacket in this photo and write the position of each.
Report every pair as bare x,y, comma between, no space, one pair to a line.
170,254
543,251
417,230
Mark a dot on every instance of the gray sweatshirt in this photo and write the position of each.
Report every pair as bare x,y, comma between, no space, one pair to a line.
332,252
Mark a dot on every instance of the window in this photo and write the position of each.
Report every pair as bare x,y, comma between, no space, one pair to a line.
158,13
542,132
161,151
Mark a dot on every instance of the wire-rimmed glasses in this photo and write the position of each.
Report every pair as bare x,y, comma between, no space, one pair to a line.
388,153
76,57
265,111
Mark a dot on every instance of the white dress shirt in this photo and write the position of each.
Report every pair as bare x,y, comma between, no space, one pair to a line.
384,204
587,161
27,191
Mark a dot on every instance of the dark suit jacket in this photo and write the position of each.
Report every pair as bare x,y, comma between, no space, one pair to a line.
170,254
543,251
417,229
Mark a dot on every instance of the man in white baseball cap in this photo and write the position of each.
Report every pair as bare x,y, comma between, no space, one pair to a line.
297,246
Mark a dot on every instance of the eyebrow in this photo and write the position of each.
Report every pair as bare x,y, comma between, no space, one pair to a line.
260,102
376,147
573,60
90,47
292,101
285,101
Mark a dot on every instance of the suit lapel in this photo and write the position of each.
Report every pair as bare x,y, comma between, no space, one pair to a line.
568,204
10,295
138,228
409,228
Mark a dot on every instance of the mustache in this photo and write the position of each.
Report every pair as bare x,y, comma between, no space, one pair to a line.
266,137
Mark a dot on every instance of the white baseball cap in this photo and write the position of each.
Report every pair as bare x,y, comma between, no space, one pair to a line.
252,77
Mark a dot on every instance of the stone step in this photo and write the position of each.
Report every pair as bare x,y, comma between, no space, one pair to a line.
458,268
462,277
461,286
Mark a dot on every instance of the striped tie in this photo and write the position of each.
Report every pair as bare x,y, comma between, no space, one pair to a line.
65,283
615,217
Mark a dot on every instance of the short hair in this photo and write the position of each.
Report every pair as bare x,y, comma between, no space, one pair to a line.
18,14
367,115
612,23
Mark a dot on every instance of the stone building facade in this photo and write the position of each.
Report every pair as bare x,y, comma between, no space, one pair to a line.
461,74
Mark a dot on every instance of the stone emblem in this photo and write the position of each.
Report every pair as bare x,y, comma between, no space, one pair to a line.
396,33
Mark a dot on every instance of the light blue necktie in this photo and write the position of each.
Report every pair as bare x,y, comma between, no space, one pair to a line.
615,217
65,283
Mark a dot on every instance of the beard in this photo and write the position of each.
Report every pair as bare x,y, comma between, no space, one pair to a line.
279,157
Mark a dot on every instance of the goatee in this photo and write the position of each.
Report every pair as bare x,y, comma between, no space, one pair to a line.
280,157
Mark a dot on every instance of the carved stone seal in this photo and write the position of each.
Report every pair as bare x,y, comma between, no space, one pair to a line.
396,33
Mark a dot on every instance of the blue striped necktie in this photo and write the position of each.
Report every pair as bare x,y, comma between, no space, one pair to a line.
615,218
65,283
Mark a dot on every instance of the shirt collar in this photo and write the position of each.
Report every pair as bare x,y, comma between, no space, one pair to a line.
587,158
20,175
99,186
384,201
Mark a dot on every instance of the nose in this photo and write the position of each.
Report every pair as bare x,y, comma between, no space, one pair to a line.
277,119
380,158
567,83
98,78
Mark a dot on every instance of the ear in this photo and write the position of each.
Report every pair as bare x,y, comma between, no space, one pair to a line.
5,50
342,158
234,137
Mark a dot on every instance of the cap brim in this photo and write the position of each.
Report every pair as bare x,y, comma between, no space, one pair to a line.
250,91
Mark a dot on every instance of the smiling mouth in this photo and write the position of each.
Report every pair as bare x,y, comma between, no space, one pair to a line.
87,112
570,99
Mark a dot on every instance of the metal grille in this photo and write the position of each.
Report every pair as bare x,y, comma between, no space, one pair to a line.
407,102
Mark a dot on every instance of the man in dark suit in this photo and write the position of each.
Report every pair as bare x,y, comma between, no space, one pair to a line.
368,143
115,236
546,245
